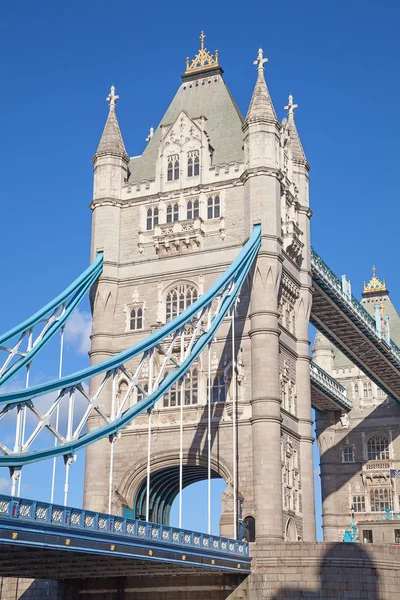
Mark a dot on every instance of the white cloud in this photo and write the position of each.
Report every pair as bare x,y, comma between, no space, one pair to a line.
78,330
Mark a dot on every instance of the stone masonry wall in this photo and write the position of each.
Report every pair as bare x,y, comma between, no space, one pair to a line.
306,571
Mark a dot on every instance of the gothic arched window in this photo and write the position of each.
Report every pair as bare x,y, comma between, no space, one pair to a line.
191,388
378,448
213,207
249,529
173,167
172,212
365,390
370,390
178,299
356,392
193,163
122,390
136,318
152,218
218,390
192,209
380,499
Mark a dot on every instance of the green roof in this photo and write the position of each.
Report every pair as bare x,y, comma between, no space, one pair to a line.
205,97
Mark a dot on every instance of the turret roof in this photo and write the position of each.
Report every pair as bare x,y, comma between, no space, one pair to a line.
111,142
261,106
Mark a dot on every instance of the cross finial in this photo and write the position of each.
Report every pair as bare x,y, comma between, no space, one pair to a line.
260,60
202,38
112,97
290,106
373,271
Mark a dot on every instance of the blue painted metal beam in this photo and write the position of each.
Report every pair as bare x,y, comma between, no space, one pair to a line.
235,275
52,527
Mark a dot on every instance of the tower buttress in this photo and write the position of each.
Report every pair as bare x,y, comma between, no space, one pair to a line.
262,205
110,171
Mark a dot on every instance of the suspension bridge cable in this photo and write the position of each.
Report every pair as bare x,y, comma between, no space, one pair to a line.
24,410
182,393
234,441
209,442
225,289
69,457
60,366
150,390
112,439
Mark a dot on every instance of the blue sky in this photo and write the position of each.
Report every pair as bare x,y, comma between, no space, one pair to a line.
339,60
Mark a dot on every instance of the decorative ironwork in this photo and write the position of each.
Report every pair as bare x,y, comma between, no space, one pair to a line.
203,59
374,284
329,386
130,528
89,521
56,515
197,324
24,510
41,513
75,518
118,526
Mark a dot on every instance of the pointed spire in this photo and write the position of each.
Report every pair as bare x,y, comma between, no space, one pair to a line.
111,142
261,106
298,152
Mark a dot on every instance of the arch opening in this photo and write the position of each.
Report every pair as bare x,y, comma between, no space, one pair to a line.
164,488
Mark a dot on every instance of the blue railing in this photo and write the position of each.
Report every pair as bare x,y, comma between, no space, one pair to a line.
330,386
325,275
75,519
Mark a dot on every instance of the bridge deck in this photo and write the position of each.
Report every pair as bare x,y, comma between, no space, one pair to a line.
351,329
326,392
49,541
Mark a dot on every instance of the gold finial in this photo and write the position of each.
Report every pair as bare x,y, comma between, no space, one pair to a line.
374,284
203,59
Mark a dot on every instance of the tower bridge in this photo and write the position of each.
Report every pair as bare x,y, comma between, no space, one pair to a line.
202,286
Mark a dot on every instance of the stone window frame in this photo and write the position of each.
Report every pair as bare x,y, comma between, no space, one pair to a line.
193,163
359,502
135,305
193,208
152,217
173,168
381,496
191,390
348,453
214,207
172,212
176,285
388,451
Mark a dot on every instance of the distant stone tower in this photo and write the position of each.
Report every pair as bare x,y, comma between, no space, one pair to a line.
169,223
360,452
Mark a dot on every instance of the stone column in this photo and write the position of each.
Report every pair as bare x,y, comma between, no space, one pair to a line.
303,386
265,399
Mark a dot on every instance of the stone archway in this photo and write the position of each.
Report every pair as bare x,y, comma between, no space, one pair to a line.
291,531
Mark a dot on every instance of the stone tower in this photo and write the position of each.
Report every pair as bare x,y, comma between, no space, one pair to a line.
169,222
360,451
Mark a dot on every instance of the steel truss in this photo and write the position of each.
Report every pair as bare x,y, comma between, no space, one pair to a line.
22,343
159,361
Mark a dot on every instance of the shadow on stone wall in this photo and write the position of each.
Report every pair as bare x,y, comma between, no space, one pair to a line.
345,571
